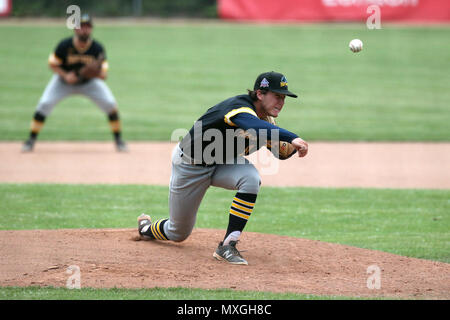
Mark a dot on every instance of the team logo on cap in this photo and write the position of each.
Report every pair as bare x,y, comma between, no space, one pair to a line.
283,82
264,83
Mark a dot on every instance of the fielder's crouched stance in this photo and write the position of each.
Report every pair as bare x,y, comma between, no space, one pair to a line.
80,67
212,154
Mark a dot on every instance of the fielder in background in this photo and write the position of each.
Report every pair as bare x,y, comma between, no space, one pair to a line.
194,171
80,67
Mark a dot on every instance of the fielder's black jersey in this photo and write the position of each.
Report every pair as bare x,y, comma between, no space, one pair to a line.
215,132
72,58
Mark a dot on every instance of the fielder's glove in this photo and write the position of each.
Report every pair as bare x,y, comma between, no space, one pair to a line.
92,69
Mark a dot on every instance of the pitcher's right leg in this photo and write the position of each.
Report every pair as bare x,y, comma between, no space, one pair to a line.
188,185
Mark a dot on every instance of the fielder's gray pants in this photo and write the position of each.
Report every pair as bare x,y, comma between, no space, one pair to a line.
188,185
56,90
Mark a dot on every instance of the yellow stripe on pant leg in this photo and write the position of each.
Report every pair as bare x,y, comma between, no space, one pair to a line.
157,227
155,234
244,202
242,208
240,215
36,126
115,125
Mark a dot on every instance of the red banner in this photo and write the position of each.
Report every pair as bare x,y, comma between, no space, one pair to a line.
335,10
5,8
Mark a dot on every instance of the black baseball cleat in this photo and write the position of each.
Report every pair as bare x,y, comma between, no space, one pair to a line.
28,145
144,223
121,146
229,253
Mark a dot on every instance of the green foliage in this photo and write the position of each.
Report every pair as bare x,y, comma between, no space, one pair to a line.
116,8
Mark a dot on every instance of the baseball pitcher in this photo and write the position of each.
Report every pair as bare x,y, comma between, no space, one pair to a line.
212,154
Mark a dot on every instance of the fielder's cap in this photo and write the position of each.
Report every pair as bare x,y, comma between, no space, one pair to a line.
86,19
273,81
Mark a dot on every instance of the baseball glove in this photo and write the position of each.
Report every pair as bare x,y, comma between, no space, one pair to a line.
285,149
92,69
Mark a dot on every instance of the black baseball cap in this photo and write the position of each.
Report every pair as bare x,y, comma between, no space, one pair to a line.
86,19
273,81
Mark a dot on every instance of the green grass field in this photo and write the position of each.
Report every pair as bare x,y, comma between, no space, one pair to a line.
165,75
50,293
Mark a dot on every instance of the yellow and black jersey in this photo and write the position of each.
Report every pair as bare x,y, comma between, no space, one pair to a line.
217,123
231,128
72,58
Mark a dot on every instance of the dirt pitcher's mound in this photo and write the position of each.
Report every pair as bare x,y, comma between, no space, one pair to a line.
111,258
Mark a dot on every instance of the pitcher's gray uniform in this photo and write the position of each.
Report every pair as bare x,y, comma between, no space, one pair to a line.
69,57
200,161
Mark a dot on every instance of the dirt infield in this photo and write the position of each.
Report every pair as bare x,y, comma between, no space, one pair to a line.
276,263
374,165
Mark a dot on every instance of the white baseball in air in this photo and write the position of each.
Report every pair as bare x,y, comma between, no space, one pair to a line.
356,45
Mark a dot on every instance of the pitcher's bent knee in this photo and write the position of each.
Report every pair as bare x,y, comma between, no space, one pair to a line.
179,237
108,106
45,108
250,183
177,233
